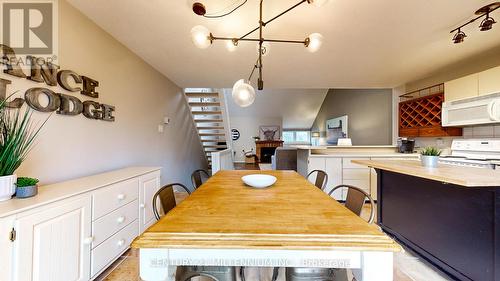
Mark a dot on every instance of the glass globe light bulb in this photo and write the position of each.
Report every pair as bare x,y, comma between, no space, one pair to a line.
243,93
315,42
200,36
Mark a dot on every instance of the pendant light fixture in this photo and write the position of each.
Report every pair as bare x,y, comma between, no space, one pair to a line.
486,23
243,92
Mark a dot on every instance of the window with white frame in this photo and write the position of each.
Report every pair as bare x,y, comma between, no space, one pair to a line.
297,137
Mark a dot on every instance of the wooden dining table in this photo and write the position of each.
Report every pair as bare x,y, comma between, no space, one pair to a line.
290,224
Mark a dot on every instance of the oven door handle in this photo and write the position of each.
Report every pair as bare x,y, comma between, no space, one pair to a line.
493,110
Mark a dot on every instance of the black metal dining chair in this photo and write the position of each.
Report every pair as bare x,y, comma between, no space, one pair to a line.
355,200
184,273
321,178
197,177
166,198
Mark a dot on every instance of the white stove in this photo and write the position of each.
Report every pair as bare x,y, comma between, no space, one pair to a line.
478,153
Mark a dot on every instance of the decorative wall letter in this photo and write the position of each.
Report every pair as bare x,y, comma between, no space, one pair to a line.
40,68
91,113
32,98
89,86
10,60
107,112
16,103
66,102
63,76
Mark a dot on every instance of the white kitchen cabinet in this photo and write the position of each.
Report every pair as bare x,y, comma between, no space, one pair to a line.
489,81
333,167
461,88
148,185
74,230
6,264
54,244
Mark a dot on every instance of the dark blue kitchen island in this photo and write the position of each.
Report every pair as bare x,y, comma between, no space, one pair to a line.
449,215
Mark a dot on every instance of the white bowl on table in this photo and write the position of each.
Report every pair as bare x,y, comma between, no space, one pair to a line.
259,180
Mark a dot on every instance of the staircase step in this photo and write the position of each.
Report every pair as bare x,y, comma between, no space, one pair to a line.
211,128
211,134
202,95
215,146
208,120
203,104
206,112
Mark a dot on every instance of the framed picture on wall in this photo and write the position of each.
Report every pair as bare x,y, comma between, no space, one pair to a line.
270,132
336,128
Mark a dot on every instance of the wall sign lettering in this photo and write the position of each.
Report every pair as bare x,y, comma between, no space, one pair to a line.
48,73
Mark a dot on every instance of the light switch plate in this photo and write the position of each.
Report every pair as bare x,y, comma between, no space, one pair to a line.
160,128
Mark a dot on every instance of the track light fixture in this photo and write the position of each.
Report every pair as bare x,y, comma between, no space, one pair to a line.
485,25
459,37
243,92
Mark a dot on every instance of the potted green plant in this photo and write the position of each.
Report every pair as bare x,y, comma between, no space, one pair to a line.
17,135
26,187
430,157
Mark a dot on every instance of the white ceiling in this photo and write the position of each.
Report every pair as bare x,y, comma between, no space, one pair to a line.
367,43
297,108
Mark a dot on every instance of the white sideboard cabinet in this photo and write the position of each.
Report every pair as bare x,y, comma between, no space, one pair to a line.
74,230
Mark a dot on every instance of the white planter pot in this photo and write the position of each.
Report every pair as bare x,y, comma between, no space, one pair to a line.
7,187
429,161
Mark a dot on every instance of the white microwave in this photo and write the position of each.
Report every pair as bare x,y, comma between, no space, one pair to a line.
472,111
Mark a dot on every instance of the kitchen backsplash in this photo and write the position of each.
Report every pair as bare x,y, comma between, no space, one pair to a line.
482,132
474,132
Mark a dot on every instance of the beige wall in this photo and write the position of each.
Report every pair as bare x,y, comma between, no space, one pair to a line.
71,147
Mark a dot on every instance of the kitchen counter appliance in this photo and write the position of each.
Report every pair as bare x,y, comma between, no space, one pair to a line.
478,153
406,145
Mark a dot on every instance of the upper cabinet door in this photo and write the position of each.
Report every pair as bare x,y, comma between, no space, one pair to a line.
54,244
465,87
489,81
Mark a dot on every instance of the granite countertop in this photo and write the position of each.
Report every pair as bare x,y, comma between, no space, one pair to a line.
464,176
58,191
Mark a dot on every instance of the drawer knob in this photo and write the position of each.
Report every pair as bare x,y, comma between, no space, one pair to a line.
142,206
120,219
121,242
88,240
121,196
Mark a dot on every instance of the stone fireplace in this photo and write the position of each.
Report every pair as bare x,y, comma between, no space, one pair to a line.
265,149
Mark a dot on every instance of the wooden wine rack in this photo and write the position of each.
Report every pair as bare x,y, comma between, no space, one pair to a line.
421,117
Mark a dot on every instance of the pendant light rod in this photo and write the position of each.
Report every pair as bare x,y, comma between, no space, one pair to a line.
260,82
272,19
475,19
258,40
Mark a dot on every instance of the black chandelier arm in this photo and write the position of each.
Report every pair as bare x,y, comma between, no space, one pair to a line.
272,19
258,40
474,19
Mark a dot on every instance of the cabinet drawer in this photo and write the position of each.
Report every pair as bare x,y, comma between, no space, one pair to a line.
114,196
110,249
356,174
111,223
363,184
346,163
